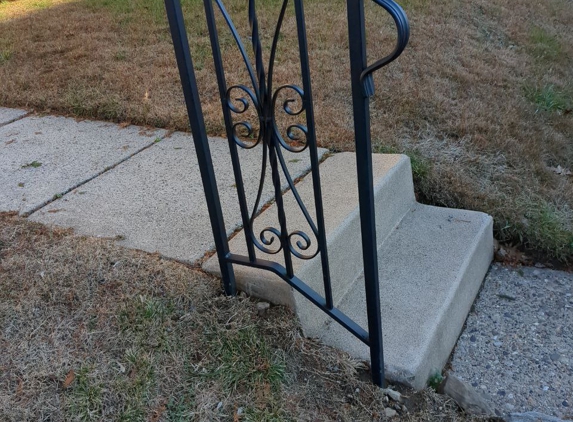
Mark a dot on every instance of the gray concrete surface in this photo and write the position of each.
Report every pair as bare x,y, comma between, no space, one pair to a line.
431,268
155,202
8,115
41,157
517,345
394,196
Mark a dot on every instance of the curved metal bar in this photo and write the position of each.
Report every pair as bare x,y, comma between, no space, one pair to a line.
275,234
290,134
240,110
240,46
261,186
295,193
274,46
403,30
257,50
302,246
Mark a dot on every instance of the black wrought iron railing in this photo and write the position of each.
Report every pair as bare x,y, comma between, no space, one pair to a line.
262,99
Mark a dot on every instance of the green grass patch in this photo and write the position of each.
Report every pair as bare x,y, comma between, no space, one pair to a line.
41,4
544,46
420,165
548,228
135,386
5,55
549,98
242,359
85,398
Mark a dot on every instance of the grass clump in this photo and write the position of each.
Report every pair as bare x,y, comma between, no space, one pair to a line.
420,165
85,398
263,366
545,46
435,380
549,98
5,55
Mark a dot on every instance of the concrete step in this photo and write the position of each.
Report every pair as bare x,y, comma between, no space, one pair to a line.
432,262
431,268
394,197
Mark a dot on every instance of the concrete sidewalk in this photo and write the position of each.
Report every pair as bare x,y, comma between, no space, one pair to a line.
133,184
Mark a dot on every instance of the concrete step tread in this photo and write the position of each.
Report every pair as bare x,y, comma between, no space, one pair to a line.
431,268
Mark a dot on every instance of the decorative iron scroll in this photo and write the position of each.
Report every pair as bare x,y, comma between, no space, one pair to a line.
266,101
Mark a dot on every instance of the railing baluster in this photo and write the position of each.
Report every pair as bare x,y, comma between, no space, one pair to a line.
361,109
220,71
193,104
311,136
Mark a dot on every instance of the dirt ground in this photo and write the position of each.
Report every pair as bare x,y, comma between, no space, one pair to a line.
481,99
95,332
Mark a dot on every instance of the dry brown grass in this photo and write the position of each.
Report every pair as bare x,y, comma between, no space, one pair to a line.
481,98
91,331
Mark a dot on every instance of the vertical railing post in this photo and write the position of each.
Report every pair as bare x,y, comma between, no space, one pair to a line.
361,109
195,113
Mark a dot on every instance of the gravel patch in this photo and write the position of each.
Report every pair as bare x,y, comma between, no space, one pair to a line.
517,346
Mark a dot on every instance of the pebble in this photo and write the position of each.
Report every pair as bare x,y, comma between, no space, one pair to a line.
390,413
263,307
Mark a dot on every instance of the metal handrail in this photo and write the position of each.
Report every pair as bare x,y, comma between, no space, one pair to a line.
403,32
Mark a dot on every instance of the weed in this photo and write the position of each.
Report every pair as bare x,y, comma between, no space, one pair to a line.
33,164
435,380
5,55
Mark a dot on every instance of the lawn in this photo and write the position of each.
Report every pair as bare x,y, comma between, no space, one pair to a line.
95,332
481,99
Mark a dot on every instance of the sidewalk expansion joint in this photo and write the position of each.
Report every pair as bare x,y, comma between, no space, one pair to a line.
89,179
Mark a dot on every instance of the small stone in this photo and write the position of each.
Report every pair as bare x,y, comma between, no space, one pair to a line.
473,338
240,411
219,405
509,406
472,401
545,388
390,413
357,390
554,356
501,393
497,343
394,395
262,308
565,403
